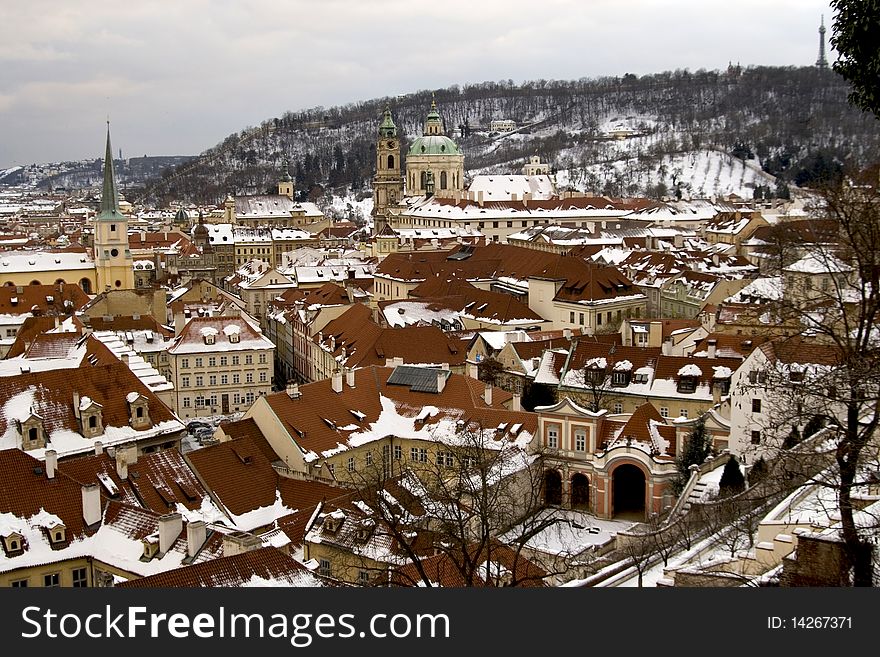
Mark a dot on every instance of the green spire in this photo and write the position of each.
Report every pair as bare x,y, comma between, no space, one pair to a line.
109,210
387,129
285,172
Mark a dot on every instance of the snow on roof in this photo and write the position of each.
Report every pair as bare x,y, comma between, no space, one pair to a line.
690,370
819,263
407,313
44,261
623,366
598,363
722,372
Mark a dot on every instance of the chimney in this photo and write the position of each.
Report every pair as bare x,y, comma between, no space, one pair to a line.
487,394
526,198
666,347
179,323
516,403
99,447
480,198
121,464
711,344
337,381
292,390
566,333
196,533
169,529
349,377
716,392
441,380
51,463
91,501
76,404
239,543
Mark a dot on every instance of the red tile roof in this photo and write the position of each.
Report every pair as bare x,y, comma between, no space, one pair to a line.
61,299
268,563
316,419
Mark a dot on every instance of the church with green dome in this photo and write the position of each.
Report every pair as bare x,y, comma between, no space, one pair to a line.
434,163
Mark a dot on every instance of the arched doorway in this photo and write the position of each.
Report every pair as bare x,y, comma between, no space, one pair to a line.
628,492
580,491
552,488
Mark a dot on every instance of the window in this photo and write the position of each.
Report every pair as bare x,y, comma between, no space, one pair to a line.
223,361
598,319
350,464
19,584
682,412
235,360
52,580
441,457
200,401
184,363
186,402
224,379
581,319
212,380
756,437
262,359
398,452
580,440
249,377
687,384
368,458
413,454
619,378
200,381
249,359
363,575
756,406
571,317
552,437
236,378
212,361
184,382
249,398
199,362
796,376
664,411
263,377
324,567
93,422
79,578
112,228
618,407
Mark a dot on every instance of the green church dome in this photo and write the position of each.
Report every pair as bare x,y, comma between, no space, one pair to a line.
434,145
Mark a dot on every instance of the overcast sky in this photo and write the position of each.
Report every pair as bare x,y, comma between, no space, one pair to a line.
178,76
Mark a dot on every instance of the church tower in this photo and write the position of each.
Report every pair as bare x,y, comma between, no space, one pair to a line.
113,262
387,183
285,185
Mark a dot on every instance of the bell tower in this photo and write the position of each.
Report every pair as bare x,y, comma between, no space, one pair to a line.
387,183
113,262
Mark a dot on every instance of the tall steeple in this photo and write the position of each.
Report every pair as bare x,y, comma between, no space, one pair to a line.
822,62
113,261
109,210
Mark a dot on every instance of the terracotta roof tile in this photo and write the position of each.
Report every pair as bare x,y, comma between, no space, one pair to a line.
268,563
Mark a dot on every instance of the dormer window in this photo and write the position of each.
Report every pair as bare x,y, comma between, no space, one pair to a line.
151,546
594,375
138,411
619,378
91,417
57,533
209,338
33,436
233,338
13,542
687,384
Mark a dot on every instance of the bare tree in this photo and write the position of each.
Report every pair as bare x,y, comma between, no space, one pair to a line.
473,502
830,372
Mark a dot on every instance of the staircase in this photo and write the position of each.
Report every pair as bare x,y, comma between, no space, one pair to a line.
694,496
